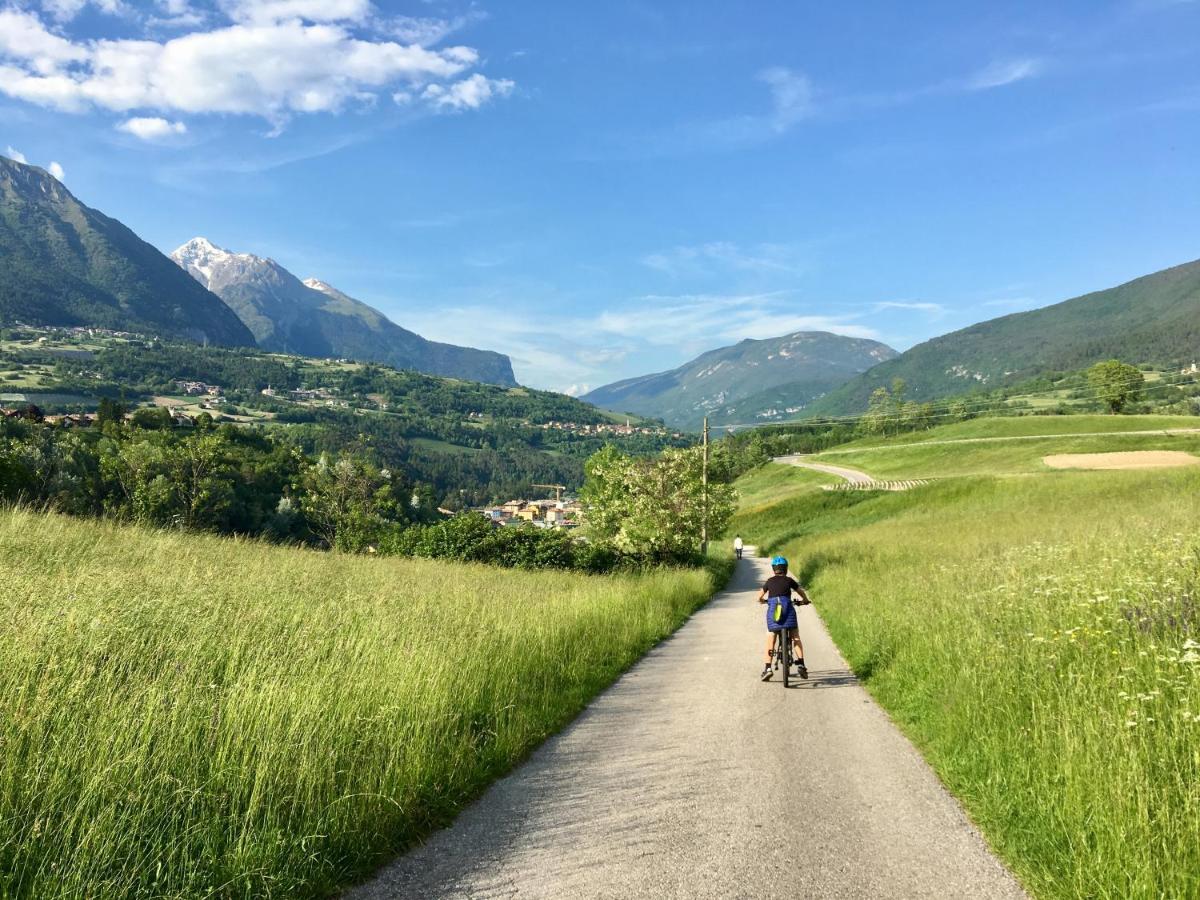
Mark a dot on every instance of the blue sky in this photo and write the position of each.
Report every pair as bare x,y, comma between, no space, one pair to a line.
602,190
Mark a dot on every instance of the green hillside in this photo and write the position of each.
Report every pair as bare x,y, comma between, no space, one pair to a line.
1154,319
468,443
752,381
183,716
66,264
1033,632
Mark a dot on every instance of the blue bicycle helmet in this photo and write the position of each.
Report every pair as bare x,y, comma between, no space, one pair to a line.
779,561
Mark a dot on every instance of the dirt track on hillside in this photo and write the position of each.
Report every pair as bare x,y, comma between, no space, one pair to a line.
1128,459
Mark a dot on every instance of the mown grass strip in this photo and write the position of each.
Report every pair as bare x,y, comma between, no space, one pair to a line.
1005,457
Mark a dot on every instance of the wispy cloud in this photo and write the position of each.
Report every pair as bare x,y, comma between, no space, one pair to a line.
185,175
1012,303
1004,72
792,99
711,320
429,30
651,332
15,155
723,256
936,310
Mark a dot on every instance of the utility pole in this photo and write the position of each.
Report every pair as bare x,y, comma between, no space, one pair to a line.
704,482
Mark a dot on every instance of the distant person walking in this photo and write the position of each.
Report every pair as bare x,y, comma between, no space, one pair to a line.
737,546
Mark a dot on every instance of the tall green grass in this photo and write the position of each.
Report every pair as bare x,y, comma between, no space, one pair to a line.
183,716
1039,639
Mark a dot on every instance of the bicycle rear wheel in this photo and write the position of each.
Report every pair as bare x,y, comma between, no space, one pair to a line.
785,636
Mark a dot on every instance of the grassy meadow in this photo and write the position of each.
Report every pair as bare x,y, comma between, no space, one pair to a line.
1039,639
1011,446
1030,426
184,716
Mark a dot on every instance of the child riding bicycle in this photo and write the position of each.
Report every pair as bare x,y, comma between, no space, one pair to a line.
781,613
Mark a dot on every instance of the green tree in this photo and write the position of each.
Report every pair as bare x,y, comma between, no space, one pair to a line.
654,508
880,413
153,418
610,479
347,502
1116,383
109,410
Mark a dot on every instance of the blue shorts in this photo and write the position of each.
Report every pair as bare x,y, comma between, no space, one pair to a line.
788,618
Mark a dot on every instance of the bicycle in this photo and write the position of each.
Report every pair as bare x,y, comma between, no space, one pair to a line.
782,654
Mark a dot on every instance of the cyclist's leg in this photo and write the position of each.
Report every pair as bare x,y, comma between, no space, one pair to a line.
798,647
770,646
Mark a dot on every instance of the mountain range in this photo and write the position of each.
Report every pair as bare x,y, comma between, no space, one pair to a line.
312,318
1152,319
67,264
751,381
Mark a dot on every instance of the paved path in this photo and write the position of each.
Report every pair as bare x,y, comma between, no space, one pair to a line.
851,475
662,788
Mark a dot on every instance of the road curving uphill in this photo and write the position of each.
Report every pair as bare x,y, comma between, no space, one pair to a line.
669,785
852,479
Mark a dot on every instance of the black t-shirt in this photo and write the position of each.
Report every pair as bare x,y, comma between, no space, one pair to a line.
781,586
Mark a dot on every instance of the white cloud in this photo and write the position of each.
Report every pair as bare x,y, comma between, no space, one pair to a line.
65,10
15,155
270,11
720,256
791,95
279,58
469,93
935,309
577,390
717,319
25,39
649,333
56,170
151,129
1012,303
177,14
427,31
1004,72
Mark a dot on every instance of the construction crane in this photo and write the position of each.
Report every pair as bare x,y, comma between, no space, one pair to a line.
557,488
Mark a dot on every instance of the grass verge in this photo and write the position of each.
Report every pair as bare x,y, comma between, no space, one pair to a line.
1039,640
183,716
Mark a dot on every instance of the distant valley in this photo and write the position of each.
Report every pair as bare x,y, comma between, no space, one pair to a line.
750,382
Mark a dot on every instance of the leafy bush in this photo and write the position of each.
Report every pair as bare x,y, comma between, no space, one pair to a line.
470,537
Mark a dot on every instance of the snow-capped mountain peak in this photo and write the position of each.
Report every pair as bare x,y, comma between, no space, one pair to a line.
198,257
201,258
